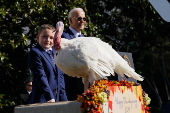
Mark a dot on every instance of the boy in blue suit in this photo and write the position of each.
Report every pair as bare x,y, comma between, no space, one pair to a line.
48,81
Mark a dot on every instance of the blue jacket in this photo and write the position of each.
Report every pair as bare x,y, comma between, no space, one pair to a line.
48,80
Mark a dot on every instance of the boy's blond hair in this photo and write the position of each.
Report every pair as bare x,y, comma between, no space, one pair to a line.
45,26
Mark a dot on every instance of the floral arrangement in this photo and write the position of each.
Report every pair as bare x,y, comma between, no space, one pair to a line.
93,98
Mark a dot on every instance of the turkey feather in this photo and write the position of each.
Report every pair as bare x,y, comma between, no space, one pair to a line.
90,58
79,56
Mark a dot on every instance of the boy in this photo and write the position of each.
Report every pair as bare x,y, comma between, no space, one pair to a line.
48,80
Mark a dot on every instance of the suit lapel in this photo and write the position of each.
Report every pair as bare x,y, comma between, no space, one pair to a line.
70,34
48,58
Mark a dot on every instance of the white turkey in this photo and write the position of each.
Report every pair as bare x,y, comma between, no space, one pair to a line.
89,58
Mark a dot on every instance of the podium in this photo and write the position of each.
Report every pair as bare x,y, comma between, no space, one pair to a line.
121,100
57,107
128,57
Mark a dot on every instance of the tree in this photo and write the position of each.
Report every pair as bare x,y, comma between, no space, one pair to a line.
145,34
135,23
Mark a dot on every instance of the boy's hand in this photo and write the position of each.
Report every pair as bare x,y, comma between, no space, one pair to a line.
52,100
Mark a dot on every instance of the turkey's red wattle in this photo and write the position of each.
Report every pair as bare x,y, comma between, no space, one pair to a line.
57,38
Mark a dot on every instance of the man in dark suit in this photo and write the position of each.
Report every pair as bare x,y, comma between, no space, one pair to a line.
23,98
48,80
77,21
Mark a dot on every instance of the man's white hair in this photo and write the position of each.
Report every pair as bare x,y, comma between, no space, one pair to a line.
70,14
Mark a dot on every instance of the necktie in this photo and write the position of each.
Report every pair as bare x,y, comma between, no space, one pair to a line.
79,35
51,56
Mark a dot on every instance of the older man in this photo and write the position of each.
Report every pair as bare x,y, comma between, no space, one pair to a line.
77,21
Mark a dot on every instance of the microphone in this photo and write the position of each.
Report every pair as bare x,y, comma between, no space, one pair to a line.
114,40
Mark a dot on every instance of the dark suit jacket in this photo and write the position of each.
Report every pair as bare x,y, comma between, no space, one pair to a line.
23,98
74,86
48,80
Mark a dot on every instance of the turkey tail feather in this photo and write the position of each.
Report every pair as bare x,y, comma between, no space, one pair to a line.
128,71
102,70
